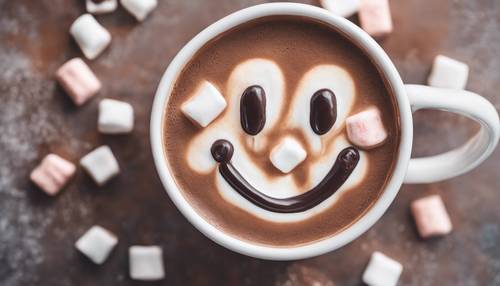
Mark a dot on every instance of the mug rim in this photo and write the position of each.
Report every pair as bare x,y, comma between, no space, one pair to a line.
348,234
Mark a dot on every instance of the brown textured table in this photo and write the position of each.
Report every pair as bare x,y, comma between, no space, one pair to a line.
37,232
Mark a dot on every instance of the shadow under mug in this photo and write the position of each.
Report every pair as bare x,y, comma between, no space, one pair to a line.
409,98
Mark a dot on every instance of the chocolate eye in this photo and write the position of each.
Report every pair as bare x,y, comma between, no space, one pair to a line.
323,111
253,109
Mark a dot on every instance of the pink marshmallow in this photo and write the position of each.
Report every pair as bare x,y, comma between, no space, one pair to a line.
375,17
78,80
430,216
366,129
52,174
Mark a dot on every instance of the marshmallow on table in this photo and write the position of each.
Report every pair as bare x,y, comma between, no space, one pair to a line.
366,129
90,35
382,271
287,155
448,73
430,216
78,80
343,8
101,7
96,244
139,8
205,105
375,17
146,263
100,164
52,174
115,117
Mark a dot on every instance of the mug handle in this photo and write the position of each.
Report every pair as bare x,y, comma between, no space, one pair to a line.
466,157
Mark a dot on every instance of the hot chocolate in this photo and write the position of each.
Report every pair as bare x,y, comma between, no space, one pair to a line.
281,132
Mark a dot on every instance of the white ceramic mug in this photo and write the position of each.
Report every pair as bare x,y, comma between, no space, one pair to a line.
408,97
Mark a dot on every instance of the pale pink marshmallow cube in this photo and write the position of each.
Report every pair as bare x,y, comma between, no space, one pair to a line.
52,174
78,80
430,216
366,129
375,17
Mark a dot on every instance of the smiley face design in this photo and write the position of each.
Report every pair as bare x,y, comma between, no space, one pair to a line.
282,155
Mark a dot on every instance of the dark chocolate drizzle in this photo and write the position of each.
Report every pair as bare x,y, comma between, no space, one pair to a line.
323,112
347,160
253,109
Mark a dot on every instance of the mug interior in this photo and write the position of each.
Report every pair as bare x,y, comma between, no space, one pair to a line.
357,36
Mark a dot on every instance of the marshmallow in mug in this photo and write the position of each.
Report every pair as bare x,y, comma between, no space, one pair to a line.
115,117
146,263
430,216
101,7
52,174
205,105
382,271
448,73
96,244
90,36
287,155
366,129
139,8
100,164
343,8
375,17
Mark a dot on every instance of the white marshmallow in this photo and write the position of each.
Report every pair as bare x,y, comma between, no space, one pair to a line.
96,244
366,129
105,6
139,8
115,117
90,35
205,105
431,216
343,8
382,271
146,263
448,73
100,164
287,155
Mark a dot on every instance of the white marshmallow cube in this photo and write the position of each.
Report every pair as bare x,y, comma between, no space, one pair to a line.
90,35
205,105
96,244
101,7
100,164
430,216
343,8
382,271
139,8
52,174
448,73
146,263
287,155
115,117
366,129
375,17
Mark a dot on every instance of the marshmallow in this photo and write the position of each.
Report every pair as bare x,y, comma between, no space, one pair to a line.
382,271
96,244
366,129
78,80
100,164
430,216
115,117
90,35
448,73
343,8
52,174
139,8
205,105
287,155
101,7
375,17
146,263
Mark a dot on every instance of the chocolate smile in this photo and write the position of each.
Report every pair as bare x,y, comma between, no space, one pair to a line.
347,160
